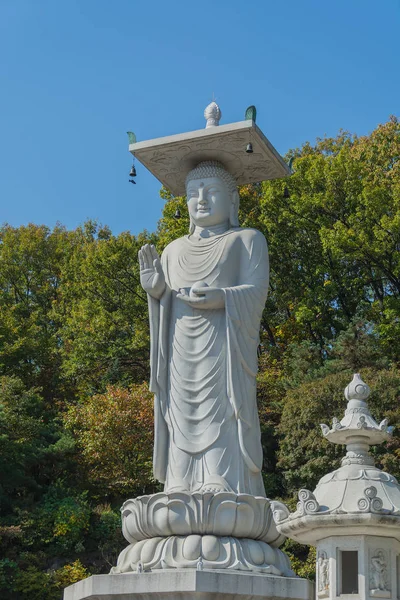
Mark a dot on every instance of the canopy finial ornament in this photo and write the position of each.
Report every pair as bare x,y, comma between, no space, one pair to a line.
251,113
357,389
212,114
132,137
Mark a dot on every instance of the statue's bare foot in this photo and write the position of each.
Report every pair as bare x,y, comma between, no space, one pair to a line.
215,485
213,488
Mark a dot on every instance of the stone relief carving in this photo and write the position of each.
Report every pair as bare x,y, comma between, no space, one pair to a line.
362,422
323,573
378,572
356,410
169,167
357,458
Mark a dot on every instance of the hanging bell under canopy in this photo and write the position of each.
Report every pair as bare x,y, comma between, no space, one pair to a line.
177,214
133,172
171,158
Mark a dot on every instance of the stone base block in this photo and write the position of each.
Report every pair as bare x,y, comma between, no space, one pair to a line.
188,584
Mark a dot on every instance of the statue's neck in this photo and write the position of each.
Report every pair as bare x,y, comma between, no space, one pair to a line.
207,232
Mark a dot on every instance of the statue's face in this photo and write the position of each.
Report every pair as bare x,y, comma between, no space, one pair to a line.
209,201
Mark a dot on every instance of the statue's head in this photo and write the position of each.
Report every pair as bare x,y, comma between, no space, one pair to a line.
212,196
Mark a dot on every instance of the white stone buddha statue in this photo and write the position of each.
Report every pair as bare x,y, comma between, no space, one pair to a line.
206,297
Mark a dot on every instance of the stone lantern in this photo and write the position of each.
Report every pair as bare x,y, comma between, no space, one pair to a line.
353,515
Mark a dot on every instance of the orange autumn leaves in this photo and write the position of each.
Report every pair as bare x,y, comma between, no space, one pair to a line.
114,432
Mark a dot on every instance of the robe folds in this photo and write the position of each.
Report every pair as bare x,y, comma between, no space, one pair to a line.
204,364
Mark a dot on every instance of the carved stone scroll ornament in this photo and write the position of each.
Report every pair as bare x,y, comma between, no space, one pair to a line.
371,502
307,504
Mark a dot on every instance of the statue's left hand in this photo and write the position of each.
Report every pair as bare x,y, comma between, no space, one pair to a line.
203,297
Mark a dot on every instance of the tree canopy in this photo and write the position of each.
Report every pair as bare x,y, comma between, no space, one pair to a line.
75,410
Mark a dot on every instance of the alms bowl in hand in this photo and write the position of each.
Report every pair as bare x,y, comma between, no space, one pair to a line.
195,286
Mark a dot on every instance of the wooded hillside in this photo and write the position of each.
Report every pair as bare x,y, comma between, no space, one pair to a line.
75,410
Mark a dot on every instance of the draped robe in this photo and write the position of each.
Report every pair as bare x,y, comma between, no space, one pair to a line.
204,365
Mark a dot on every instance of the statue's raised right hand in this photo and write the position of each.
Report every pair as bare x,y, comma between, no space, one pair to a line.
151,273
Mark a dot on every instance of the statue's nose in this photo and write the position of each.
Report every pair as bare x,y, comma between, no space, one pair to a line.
202,199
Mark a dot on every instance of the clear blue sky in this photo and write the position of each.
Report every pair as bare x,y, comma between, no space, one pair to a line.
76,75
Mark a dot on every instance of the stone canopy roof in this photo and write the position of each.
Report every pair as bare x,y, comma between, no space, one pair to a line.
171,158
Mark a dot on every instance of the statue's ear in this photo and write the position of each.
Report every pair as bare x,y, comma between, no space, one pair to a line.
234,214
191,226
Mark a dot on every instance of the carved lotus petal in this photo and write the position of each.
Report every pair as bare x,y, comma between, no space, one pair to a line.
131,525
148,550
214,503
178,516
245,518
192,547
269,553
211,551
256,552
210,547
222,514
225,517
161,518
137,551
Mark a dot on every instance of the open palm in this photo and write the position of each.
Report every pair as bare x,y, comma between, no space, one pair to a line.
151,274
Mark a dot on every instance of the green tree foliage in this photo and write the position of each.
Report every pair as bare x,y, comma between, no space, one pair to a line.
114,432
333,232
339,232
75,415
31,260
103,310
33,447
73,320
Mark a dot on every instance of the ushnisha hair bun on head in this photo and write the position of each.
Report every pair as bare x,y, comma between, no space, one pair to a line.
212,168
